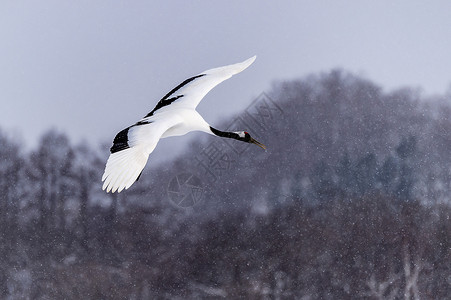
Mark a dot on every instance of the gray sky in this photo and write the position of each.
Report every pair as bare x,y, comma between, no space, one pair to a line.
91,68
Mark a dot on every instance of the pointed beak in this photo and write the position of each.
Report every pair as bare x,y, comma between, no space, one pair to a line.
257,143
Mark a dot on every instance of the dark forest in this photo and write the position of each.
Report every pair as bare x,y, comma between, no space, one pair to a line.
350,200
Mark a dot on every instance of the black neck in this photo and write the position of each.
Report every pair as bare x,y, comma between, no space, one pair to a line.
231,135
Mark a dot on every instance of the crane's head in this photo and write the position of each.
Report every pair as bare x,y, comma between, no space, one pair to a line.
246,137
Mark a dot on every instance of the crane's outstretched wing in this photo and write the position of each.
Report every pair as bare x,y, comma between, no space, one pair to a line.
190,92
131,149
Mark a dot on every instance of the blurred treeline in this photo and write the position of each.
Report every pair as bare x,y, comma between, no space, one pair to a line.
351,200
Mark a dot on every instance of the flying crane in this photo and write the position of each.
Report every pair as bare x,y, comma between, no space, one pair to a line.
174,115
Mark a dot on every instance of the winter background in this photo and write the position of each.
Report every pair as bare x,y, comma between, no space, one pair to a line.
350,200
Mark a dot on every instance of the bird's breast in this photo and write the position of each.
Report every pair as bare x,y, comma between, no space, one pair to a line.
191,121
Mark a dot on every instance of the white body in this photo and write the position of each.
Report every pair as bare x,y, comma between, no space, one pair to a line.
192,121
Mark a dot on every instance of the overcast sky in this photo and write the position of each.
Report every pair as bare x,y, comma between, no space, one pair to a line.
91,68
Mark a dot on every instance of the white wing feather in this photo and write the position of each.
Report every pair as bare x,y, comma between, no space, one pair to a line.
193,92
123,167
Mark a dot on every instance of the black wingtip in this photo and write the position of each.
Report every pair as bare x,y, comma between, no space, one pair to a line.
167,99
120,142
139,176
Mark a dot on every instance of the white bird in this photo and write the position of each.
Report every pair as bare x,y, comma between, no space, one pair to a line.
175,114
